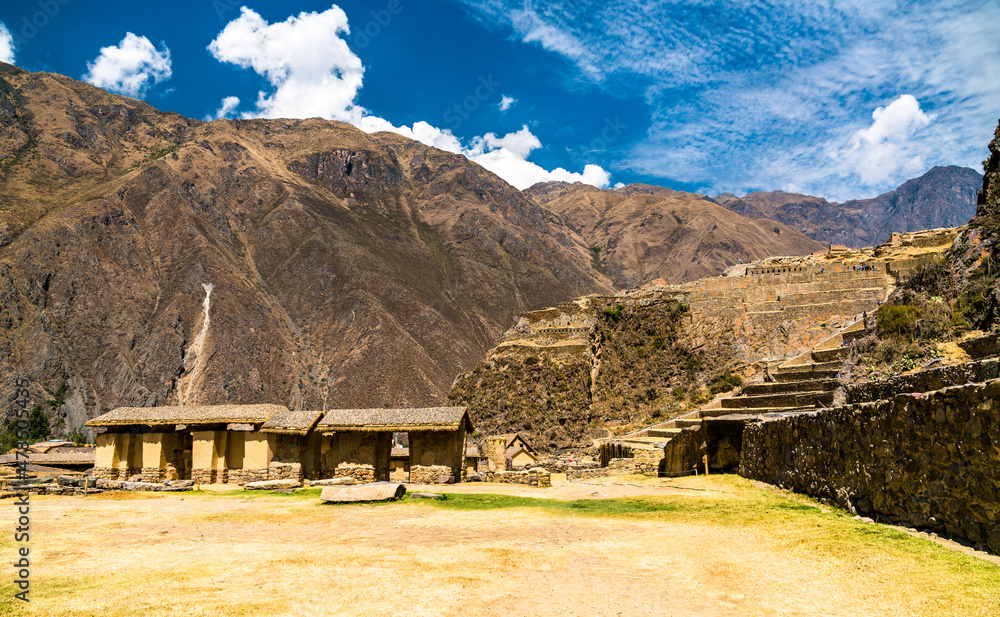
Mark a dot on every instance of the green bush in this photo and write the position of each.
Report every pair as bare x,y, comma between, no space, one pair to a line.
727,382
897,319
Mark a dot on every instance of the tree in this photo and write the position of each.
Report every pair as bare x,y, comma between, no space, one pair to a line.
38,424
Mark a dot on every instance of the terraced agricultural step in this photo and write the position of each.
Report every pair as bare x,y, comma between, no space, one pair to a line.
687,422
790,399
716,413
833,365
806,385
805,375
660,432
829,355
643,441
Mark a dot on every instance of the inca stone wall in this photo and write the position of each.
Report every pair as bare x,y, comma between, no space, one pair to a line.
928,460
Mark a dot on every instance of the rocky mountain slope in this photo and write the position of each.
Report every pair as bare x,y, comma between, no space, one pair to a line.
641,233
942,197
146,258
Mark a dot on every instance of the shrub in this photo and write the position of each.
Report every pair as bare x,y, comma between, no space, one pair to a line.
897,319
727,382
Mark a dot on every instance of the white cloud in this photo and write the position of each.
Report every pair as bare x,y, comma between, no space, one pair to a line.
131,67
882,149
764,93
227,109
312,72
506,102
506,157
6,45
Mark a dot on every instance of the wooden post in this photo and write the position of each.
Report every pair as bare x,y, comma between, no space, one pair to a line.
705,460
86,485
197,484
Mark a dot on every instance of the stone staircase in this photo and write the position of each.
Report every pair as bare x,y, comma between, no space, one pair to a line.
803,383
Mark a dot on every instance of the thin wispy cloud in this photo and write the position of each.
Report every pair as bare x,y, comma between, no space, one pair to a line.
131,67
311,72
749,94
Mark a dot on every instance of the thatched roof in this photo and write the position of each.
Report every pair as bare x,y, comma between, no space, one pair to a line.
292,422
188,414
426,419
84,456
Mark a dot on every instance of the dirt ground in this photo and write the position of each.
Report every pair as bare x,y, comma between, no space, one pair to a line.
187,554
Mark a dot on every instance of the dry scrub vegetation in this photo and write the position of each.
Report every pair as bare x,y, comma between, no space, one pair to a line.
696,546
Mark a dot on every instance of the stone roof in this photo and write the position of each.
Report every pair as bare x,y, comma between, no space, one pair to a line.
292,422
188,414
425,419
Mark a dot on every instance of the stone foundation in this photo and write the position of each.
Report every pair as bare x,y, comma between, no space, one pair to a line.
116,473
616,467
210,476
242,476
284,471
362,473
533,477
420,474
154,475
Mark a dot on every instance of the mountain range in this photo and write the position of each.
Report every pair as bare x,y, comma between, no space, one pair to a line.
942,197
147,258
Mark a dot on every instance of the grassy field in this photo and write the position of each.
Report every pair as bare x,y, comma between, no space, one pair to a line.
693,547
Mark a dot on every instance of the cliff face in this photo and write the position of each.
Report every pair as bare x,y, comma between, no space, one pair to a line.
641,233
148,259
943,197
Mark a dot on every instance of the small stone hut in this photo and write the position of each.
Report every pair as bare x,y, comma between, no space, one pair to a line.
508,451
358,442
243,443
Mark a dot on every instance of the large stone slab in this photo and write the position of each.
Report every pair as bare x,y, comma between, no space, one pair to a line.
334,482
270,485
375,491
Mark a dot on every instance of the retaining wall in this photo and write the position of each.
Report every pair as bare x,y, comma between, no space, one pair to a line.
925,460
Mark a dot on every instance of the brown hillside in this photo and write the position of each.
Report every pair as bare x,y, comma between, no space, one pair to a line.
349,270
644,233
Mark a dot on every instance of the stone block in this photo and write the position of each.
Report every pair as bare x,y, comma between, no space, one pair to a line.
434,496
375,491
267,485
347,481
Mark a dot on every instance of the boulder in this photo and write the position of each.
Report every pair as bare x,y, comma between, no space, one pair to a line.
426,496
179,483
270,485
106,484
375,491
446,479
69,481
334,482
476,477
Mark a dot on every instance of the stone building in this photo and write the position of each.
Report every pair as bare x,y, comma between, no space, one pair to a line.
243,443
508,451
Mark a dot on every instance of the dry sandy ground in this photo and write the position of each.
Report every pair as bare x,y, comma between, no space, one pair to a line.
185,554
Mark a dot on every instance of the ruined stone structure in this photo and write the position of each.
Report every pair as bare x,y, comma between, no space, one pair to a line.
244,443
929,460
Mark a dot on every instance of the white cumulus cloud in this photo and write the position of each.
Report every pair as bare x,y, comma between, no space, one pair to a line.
6,45
312,72
226,109
882,149
131,67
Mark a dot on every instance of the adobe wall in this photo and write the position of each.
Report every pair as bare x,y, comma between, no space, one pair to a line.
924,460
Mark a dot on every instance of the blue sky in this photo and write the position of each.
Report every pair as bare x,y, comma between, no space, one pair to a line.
838,98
